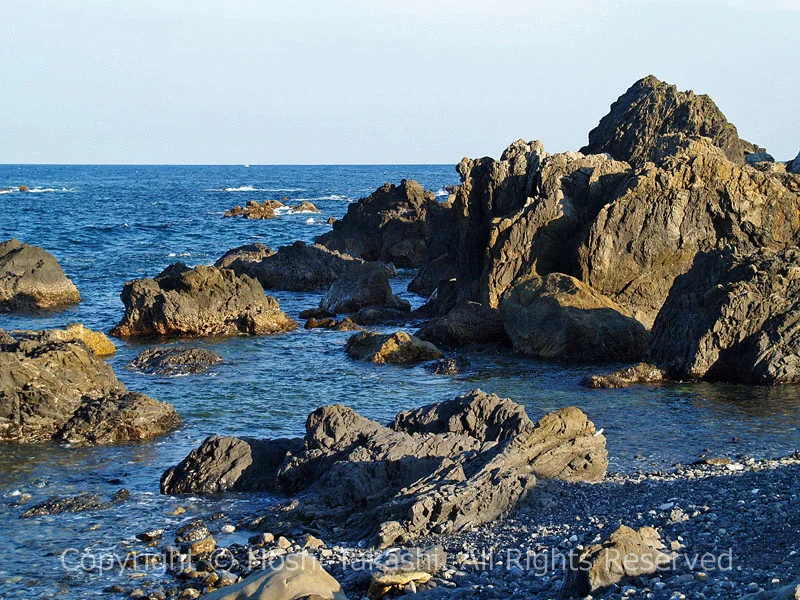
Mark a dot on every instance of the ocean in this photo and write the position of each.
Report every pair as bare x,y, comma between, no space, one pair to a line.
110,224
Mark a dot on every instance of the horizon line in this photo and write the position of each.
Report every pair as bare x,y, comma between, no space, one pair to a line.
243,165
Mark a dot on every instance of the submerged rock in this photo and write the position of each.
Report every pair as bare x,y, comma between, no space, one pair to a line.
247,253
175,361
52,389
557,316
390,226
381,315
292,577
448,366
204,301
733,318
363,285
468,324
397,348
652,108
72,504
638,374
31,278
626,554
439,469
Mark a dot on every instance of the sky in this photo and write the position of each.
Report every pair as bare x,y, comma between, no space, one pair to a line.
372,81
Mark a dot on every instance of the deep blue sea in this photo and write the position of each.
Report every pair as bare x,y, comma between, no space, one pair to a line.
109,224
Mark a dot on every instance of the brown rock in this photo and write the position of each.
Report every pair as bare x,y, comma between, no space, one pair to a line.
247,253
637,374
399,348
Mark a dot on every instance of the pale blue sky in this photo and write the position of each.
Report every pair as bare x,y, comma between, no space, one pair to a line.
370,81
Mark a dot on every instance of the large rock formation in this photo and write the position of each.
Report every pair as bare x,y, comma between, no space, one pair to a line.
204,301
361,286
467,324
292,577
391,226
733,318
441,258
438,469
298,268
650,109
557,316
693,200
55,389
31,278
396,348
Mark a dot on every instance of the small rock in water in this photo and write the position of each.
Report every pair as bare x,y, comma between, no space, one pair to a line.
227,529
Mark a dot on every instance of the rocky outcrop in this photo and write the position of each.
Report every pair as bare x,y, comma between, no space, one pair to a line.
292,577
204,301
650,109
53,389
733,318
247,253
361,286
297,268
255,210
466,325
794,166
557,316
396,348
175,361
223,464
31,278
438,469
391,225
692,200
305,206
543,237
97,341
626,554
641,373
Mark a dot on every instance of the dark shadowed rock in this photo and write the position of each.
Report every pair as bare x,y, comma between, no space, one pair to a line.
626,554
641,373
247,253
448,366
758,157
376,315
465,325
362,285
733,318
557,316
651,109
794,166
57,505
175,360
57,389
31,278
398,348
441,259
391,225
224,464
298,268
316,313
255,210
204,301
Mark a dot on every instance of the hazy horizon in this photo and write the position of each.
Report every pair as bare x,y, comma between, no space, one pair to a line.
159,83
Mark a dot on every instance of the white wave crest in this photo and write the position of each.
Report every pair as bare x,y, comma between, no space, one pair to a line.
252,188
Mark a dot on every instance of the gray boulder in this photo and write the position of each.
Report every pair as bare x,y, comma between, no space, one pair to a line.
652,108
391,226
361,286
175,361
733,318
31,278
558,316
395,348
54,389
199,302
625,555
